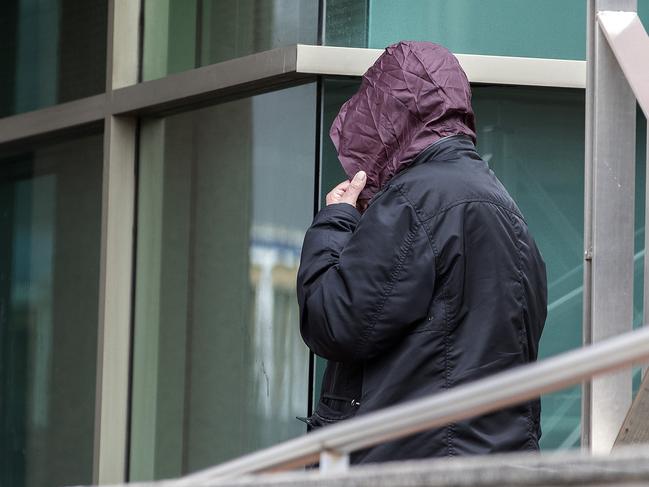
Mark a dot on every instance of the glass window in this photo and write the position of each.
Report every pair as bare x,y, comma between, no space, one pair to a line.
528,28
185,34
346,23
50,217
225,196
50,52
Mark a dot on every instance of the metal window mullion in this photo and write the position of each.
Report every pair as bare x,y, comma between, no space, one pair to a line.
116,261
609,225
586,399
57,119
645,296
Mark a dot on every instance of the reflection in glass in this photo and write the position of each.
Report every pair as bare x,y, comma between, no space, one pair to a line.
185,34
50,215
225,196
50,52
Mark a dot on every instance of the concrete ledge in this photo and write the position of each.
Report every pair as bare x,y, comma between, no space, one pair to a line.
625,467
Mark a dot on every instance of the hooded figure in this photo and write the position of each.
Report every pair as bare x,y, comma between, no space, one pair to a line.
415,94
438,282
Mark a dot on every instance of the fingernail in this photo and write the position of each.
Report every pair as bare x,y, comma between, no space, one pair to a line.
360,175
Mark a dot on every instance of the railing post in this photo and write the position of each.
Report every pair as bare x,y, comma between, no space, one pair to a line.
333,461
608,224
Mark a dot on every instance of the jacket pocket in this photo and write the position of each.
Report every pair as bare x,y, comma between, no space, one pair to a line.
326,414
502,361
339,396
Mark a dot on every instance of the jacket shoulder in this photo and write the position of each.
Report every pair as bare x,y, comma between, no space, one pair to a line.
435,186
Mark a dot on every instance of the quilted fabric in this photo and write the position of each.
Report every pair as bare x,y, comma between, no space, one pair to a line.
415,94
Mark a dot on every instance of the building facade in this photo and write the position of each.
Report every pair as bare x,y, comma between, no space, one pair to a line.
160,161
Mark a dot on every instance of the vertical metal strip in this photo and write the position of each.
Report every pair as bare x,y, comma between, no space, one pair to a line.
116,261
645,296
611,138
588,217
317,190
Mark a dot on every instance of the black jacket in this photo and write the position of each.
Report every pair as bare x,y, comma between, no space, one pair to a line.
437,284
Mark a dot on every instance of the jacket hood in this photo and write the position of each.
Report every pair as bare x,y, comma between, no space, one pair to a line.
415,94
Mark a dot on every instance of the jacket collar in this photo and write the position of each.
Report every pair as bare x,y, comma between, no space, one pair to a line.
442,147
435,151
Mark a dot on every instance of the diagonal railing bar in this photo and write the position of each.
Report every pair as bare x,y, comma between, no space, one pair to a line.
630,44
465,401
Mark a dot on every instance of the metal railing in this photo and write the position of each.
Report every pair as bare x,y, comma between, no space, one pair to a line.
333,444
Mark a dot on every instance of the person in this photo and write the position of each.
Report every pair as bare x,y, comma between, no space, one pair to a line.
419,274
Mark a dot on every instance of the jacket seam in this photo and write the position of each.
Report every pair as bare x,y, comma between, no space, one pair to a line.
420,220
474,200
389,287
522,332
449,432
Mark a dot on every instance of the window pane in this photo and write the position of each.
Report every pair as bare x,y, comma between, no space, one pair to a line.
185,34
50,216
226,194
50,52
346,23
528,28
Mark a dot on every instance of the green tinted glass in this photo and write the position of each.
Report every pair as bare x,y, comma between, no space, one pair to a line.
50,52
225,196
50,218
185,34
527,28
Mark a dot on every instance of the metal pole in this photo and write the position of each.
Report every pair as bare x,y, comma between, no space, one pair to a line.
645,290
116,262
608,225
588,220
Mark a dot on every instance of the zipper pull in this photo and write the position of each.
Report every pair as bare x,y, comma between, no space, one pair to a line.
355,403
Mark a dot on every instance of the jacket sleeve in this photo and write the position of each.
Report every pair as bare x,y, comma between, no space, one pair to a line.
364,283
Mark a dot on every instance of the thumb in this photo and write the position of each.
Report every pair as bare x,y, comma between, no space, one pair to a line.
355,187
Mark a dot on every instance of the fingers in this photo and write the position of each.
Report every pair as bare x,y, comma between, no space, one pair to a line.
335,194
354,189
342,186
347,191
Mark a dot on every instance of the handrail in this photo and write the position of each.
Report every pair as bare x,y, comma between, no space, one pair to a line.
483,396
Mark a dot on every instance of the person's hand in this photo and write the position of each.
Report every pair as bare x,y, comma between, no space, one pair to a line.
347,192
